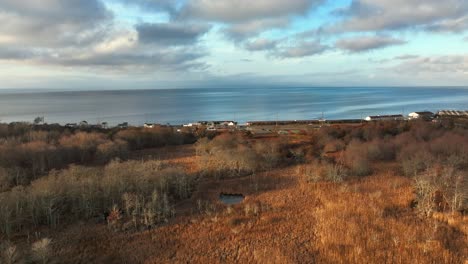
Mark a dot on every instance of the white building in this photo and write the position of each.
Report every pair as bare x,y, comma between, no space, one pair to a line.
384,118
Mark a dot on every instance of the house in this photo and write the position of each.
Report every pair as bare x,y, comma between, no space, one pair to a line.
148,125
84,123
426,115
452,113
384,118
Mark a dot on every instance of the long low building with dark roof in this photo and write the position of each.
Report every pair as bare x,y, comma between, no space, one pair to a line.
452,113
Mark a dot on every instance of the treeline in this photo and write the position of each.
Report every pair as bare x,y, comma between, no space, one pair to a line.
435,156
136,193
27,153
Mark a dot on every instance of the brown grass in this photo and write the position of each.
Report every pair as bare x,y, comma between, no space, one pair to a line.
286,217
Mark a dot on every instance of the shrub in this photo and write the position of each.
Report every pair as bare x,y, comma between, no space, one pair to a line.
41,250
381,150
335,172
356,158
441,188
229,155
333,146
415,158
83,193
9,254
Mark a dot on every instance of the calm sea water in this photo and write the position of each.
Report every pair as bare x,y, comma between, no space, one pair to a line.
177,106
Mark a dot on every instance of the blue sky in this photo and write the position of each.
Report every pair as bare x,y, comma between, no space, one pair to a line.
105,44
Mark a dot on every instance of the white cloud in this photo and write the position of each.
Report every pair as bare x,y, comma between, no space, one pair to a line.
451,64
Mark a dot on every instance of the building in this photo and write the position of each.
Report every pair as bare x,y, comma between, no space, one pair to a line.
216,124
148,125
384,118
71,125
196,124
426,115
84,123
452,113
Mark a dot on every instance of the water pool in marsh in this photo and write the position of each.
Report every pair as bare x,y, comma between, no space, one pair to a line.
231,199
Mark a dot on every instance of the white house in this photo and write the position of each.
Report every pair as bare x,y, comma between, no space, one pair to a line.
148,125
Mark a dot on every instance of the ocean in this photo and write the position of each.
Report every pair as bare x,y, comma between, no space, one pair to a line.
178,106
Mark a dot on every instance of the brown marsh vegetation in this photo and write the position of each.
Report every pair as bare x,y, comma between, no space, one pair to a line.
389,192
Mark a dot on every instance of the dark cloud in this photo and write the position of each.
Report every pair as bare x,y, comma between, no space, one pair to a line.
75,33
167,61
241,11
170,33
52,22
376,15
362,44
244,18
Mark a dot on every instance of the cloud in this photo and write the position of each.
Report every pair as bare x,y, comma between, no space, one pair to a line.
362,44
170,33
376,15
156,60
406,57
52,22
244,18
74,33
168,6
241,31
451,64
130,58
450,25
303,49
261,44
240,11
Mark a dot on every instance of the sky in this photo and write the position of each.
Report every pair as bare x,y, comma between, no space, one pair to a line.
151,44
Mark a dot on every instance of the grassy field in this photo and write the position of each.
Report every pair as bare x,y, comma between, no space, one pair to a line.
319,197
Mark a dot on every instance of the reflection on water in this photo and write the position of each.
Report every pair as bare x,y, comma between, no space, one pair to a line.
179,106
231,198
